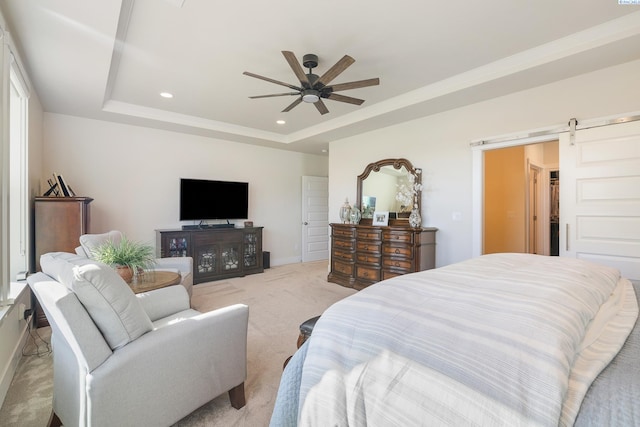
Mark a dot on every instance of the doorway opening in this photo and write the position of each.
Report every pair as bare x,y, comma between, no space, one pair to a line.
519,210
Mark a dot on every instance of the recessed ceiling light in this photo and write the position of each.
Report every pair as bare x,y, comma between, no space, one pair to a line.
280,122
166,95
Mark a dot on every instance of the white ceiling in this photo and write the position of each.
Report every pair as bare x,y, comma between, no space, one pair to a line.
109,59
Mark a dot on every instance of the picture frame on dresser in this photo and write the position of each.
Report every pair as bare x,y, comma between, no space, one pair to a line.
380,218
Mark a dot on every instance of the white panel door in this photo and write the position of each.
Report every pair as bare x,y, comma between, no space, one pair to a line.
315,218
600,196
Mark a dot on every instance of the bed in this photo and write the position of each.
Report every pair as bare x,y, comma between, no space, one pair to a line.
498,340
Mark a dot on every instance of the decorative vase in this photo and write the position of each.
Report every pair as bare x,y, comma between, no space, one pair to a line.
126,273
355,215
415,220
345,212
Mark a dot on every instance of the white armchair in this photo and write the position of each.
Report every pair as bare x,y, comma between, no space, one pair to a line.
182,265
121,359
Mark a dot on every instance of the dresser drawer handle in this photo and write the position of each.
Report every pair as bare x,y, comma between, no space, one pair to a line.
397,251
397,237
397,264
366,248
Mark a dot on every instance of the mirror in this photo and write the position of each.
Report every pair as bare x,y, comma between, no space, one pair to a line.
379,185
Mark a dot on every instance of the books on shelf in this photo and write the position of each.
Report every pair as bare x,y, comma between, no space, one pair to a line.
58,187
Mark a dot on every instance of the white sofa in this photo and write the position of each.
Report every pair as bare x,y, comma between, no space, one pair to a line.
121,359
182,265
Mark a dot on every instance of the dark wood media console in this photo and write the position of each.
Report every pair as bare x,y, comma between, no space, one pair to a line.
218,253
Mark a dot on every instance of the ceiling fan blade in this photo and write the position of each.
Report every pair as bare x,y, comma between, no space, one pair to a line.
334,71
293,104
355,85
296,67
321,107
246,73
275,94
347,99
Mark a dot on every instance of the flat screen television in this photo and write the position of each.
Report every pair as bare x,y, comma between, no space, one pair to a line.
202,199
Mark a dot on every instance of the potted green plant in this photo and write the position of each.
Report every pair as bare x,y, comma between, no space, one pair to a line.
127,257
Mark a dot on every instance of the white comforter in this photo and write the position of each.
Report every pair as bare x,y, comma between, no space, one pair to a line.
503,339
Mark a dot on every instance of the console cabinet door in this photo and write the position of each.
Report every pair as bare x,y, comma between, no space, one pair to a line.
252,250
206,261
174,244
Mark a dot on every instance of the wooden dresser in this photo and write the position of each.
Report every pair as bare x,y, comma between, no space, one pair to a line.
59,223
363,254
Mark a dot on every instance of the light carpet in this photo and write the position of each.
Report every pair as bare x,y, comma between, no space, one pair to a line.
279,300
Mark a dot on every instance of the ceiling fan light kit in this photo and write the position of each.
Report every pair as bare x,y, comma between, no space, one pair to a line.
310,95
313,87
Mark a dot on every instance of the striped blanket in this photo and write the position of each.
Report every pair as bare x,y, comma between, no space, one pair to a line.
499,340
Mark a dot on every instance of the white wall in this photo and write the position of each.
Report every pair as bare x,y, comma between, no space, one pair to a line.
132,173
440,145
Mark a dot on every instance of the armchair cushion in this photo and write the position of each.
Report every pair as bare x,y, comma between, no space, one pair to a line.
164,302
109,301
89,242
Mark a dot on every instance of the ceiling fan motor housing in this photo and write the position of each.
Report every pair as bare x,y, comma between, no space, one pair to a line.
310,60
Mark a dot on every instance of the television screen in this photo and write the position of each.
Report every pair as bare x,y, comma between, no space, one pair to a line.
202,199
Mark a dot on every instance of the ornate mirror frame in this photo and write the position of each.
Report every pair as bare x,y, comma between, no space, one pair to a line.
397,164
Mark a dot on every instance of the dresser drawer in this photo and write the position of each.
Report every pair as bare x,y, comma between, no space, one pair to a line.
342,267
344,232
398,251
365,258
371,247
369,234
367,273
345,245
343,255
398,264
393,236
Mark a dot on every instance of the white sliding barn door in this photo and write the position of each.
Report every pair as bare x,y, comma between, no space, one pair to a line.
600,196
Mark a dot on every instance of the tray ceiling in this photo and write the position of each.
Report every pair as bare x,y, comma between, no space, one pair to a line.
110,60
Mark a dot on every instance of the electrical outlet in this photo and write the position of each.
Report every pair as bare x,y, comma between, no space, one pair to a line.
26,312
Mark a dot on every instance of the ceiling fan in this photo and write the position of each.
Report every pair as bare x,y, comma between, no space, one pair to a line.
312,87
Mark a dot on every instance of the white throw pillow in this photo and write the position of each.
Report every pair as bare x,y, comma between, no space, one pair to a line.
107,298
90,242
